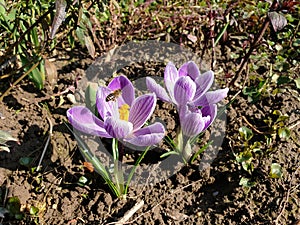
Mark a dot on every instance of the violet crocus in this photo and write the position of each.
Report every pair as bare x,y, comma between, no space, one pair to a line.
188,89
122,118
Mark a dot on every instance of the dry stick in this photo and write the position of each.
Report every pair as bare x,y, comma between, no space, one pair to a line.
22,36
253,45
294,125
212,35
164,199
46,145
284,202
254,128
130,213
18,80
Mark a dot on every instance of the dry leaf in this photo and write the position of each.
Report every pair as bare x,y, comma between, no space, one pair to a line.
51,72
192,38
90,46
89,166
60,6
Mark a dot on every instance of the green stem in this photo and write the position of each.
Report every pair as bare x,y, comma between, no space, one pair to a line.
134,168
200,151
99,167
221,33
118,173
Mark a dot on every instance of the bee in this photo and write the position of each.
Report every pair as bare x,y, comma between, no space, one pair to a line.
114,95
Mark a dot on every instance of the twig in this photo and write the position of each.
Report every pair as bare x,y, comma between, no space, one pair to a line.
253,45
129,213
254,128
294,125
18,80
284,202
46,145
164,199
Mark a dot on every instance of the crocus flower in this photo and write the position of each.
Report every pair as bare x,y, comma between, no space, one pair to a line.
122,117
196,121
188,90
187,86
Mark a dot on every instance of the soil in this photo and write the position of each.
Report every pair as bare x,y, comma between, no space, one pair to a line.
190,196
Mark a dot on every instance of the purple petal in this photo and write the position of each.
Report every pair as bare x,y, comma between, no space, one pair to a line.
170,77
105,108
209,114
183,70
148,136
141,110
189,69
84,120
184,90
204,83
118,128
192,124
211,97
123,83
157,89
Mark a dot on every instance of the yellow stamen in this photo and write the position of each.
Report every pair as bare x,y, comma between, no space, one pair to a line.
124,112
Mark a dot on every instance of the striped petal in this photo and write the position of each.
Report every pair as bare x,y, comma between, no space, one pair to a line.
203,83
184,90
189,69
117,128
148,136
209,114
106,108
84,120
170,77
141,110
211,97
127,89
192,124
160,92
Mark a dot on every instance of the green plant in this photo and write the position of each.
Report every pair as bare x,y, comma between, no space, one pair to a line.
24,29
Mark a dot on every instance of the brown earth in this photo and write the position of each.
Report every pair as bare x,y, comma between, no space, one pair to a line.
190,196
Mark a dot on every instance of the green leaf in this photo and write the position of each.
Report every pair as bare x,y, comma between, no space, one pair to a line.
34,37
37,78
25,161
283,80
246,182
284,132
248,166
33,210
13,205
169,153
90,97
297,81
201,150
276,171
277,113
82,180
246,133
80,35
2,7
244,156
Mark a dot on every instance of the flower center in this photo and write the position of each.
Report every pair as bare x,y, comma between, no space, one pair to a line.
124,112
